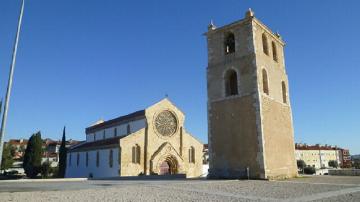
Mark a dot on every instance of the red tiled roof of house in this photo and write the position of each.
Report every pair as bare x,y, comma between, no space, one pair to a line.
315,147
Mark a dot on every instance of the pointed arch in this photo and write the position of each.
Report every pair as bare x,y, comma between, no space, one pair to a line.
231,83
229,43
265,82
274,51
284,92
265,44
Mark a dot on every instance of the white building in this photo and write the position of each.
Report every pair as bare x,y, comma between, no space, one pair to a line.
316,155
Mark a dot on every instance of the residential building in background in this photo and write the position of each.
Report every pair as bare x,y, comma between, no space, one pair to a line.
345,158
50,151
318,156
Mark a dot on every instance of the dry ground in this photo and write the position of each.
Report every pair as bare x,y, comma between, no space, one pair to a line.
319,188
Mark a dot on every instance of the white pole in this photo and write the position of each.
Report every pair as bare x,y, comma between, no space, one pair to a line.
11,75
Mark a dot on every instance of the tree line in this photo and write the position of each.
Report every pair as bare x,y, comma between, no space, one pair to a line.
32,159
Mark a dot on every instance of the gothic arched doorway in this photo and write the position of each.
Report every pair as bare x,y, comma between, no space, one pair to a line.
168,166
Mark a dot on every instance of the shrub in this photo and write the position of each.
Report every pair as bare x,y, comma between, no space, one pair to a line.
33,155
333,164
309,170
301,164
45,170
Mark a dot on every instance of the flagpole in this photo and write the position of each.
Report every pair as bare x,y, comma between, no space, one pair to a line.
11,75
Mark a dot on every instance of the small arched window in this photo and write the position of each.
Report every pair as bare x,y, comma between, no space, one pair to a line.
274,51
136,154
111,158
192,155
265,44
128,129
265,82
97,159
87,159
284,92
104,135
229,43
231,85
77,159
115,132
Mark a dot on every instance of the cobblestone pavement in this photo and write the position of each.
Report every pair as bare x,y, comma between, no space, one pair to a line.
315,188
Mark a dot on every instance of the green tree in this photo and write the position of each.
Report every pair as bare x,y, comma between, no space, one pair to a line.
12,151
7,159
309,170
356,164
62,156
33,155
333,163
45,169
301,164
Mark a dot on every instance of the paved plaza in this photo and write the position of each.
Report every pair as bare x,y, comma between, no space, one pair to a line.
315,188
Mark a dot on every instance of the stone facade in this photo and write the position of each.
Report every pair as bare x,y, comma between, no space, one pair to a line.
148,142
249,112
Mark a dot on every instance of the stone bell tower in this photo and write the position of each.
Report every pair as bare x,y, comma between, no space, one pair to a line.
249,112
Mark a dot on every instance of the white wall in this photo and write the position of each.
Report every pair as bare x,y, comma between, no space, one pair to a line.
205,170
121,130
103,170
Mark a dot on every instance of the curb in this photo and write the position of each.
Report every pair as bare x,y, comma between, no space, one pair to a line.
47,180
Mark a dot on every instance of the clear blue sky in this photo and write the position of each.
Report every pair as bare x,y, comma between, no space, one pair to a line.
82,60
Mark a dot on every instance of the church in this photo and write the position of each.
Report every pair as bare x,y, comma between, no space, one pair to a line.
152,141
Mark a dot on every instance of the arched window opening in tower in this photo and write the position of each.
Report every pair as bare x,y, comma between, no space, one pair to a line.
265,82
274,51
231,83
284,93
229,43
265,44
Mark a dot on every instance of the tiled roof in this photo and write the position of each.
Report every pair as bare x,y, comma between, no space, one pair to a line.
315,147
99,144
112,122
